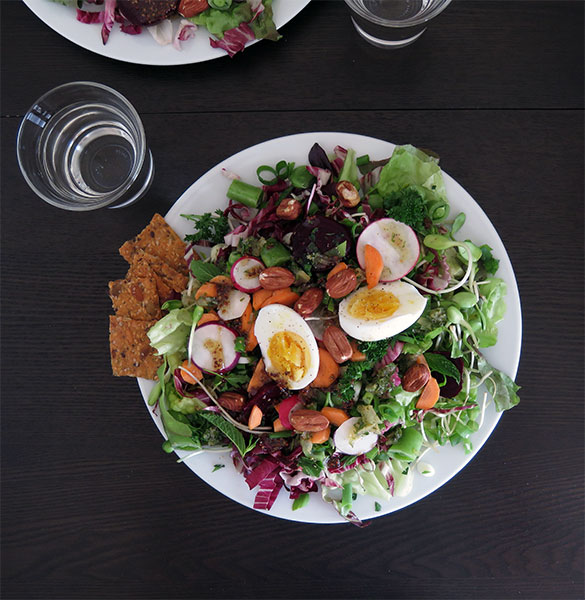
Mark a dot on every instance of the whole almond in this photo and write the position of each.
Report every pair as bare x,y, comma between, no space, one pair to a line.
309,301
190,8
415,378
347,194
337,344
341,284
289,209
275,278
232,401
304,419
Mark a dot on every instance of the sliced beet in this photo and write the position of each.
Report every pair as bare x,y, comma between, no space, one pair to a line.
317,235
147,12
318,158
451,387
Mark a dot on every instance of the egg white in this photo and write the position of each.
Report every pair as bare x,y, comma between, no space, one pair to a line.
276,318
411,307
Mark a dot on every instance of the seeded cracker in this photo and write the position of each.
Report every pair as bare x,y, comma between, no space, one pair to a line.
141,268
171,277
130,350
135,298
158,239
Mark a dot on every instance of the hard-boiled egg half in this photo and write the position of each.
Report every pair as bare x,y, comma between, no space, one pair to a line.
385,310
288,346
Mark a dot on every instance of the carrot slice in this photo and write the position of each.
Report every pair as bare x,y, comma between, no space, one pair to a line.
338,267
259,297
190,373
328,370
374,265
336,416
208,318
357,356
278,426
207,289
247,319
320,437
284,296
255,418
221,279
251,342
259,378
430,395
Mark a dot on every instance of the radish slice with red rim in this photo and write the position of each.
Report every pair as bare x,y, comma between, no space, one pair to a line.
233,305
245,274
396,242
213,348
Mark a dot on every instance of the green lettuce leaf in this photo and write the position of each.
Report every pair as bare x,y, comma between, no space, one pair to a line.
500,387
263,25
411,166
217,22
170,334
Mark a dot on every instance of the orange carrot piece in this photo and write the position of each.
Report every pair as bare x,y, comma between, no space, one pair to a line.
336,416
255,418
247,319
284,296
208,318
320,437
328,370
430,395
259,297
338,267
374,265
190,372
251,342
259,378
357,356
278,426
221,279
207,289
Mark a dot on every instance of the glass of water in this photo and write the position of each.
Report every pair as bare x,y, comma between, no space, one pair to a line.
82,146
393,23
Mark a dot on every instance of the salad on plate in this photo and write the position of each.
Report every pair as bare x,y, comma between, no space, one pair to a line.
231,23
333,334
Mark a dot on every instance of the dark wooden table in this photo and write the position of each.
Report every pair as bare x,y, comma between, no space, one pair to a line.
91,507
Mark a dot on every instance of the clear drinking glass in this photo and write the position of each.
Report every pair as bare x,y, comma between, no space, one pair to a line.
82,146
393,23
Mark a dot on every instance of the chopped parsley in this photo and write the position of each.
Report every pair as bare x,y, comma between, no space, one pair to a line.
209,228
490,264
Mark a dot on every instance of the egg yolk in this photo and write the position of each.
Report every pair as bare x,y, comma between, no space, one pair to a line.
289,355
372,305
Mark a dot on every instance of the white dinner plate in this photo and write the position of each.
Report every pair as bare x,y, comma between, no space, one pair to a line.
142,49
208,193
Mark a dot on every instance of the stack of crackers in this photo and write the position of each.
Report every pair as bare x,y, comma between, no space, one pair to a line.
157,273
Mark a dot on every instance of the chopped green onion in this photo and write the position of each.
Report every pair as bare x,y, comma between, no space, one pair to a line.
362,160
244,193
377,506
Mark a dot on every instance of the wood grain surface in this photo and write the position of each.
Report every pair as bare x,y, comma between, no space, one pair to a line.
92,508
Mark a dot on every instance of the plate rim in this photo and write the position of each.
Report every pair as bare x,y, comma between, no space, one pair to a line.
512,298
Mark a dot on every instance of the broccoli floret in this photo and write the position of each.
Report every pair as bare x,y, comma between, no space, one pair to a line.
407,205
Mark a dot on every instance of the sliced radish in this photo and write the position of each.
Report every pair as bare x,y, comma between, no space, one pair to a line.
233,306
285,408
213,348
396,242
245,274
